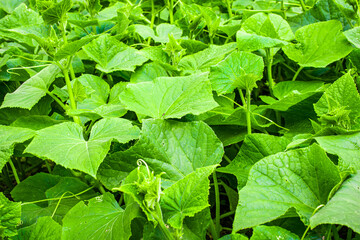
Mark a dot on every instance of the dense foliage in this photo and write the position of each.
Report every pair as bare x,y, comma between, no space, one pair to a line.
187,119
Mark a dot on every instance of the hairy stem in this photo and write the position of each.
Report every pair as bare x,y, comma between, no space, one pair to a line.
171,9
62,105
217,205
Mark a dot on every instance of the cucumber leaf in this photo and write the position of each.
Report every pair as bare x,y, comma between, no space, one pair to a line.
239,70
170,97
319,44
343,207
81,154
272,233
300,179
9,216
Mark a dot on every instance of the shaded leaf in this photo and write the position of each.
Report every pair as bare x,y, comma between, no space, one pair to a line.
9,216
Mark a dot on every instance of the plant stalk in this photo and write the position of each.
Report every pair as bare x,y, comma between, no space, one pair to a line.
171,9
62,105
248,111
14,171
297,73
229,8
217,205
349,234
269,61
303,6
71,94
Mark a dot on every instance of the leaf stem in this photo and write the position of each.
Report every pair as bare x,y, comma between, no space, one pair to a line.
227,214
349,234
308,228
171,13
217,205
269,61
62,105
297,73
71,94
14,171
48,166
303,6
227,158
335,233
248,111
228,3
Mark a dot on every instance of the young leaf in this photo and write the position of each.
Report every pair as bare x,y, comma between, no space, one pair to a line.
166,146
70,49
343,207
341,95
347,147
57,12
31,91
319,44
263,31
203,60
272,233
9,136
170,97
112,55
10,213
300,179
83,155
239,70
101,218
186,197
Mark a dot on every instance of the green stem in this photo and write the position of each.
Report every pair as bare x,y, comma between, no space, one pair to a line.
297,73
349,234
14,171
48,166
152,18
227,214
212,230
6,177
269,61
242,97
71,94
303,6
162,226
110,79
62,105
217,205
335,233
248,111
229,8
308,228
227,158
171,13
72,73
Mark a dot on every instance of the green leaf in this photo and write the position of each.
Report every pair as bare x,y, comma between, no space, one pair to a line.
9,136
20,19
81,154
186,197
254,148
272,233
32,90
34,188
319,44
45,229
347,147
195,228
166,146
100,218
290,93
9,216
353,36
162,32
69,49
9,6
203,60
323,10
341,96
300,179
263,31
35,122
57,12
239,70
170,97
343,207
148,72
234,236
93,6
112,55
